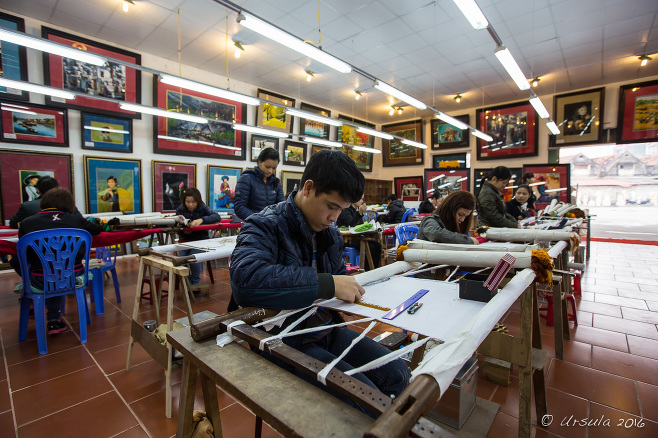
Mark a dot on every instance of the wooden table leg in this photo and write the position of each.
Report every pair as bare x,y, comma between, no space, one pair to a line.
138,297
362,254
170,352
557,320
536,331
212,407
186,401
525,370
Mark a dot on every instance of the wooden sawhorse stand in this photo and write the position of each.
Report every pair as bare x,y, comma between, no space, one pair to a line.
162,354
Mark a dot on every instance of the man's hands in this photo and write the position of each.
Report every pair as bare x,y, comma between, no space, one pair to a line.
347,289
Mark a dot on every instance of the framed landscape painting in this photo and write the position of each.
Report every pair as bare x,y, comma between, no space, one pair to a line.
350,136
215,139
221,187
579,117
272,114
112,81
556,183
28,123
311,127
107,133
396,153
637,121
113,185
168,180
513,128
13,62
19,171
446,136
294,153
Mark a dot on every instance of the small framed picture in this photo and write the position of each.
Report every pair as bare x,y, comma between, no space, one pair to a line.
221,187
28,123
446,180
446,136
317,148
553,182
260,142
113,185
291,180
579,117
272,114
409,188
311,127
452,161
168,180
638,106
294,153
513,128
108,133
396,153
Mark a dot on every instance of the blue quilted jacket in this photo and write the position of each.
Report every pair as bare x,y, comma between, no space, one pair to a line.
271,265
252,194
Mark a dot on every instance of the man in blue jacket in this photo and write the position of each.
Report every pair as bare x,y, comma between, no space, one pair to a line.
289,255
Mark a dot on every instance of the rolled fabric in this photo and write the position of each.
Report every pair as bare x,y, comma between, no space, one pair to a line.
562,211
528,235
465,258
424,244
551,207
385,272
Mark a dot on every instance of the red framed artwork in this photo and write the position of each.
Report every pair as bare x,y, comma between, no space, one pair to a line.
446,180
513,128
19,171
215,139
556,179
168,180
112,80
638,105
28,123
409,188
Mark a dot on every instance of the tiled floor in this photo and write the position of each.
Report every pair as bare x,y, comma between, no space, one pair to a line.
609,371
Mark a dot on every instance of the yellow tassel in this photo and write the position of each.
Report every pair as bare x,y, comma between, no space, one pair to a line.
542,265
399,257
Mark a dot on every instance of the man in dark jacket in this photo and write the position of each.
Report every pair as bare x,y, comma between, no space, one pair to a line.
396,210
289,255
353,216
30,208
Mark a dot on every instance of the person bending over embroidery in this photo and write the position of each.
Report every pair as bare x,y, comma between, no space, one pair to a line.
451,221
289,255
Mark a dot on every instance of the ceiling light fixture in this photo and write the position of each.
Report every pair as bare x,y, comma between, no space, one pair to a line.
207,89
365,149
552,127
256,130
161,113
309,75
322,142
513,69
311,116
282,37
127,3
535,81
400,109
374,132
458,98
238,48
32,42
539,107
116,131
385,88
357,95
392,111
644,59
414,143
473,13
481,135
451,120
27,86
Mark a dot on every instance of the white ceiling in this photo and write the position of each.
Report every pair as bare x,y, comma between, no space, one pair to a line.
425,48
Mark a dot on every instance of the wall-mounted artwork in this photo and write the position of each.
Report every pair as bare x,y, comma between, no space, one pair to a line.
260,142
556,179
350,135
311,127
113,185
396,153
452,161
221,187
409,188
108,133
272,114
28,123
579,117
290,180
168,180
513,128
294,153
446,136
13,62
446,180
638,113
112,81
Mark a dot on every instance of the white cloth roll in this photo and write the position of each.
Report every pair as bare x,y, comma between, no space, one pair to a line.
529,235
465,258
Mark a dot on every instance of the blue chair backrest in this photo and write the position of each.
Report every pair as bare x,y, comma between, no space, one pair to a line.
404,232
107,254
370,215
56,249
408,213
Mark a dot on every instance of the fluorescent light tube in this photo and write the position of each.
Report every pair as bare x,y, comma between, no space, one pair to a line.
472,13
462,179
429,191
365,149
482,135
511,187
414,143
555,190
374,132
44,45
513,69
539,107
444,185
451,120
311,116
18,110
27,86
537,184
437,177
323,142
385,88
162,113
117,131
207,89
257,130
274,33
553,127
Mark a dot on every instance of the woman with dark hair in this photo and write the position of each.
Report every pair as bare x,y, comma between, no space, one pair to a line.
491,207
259,187
518,206
451,221
431,203
529,178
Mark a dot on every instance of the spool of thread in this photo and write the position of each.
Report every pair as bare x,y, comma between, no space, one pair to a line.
149,325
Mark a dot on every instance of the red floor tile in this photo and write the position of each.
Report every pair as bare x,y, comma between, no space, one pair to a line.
643,346
621,424
621,301
7,427
640,315
602,338
49,367
628,326
504,426
634,367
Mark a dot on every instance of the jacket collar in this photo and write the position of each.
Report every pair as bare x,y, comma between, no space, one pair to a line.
259,173
298,222
490,186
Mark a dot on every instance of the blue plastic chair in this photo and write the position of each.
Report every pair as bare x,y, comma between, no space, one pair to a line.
353,255
407,214
370,215
57,250
404,232
109,258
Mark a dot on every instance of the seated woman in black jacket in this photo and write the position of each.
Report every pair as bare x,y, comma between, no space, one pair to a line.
431,203
452,221
518,206
353,216
258,187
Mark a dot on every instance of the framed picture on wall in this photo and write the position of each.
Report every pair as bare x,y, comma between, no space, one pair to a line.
294,153
260,142
13,62
396,153
317,148
290,180
349,135
113,185
108,133
579,116
272,114
446,180
221,187
515,180
113,81
556,179
19,172
513,128
28,123
453,161
311,127
168,180
638,106
409,188
215,139
446,136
